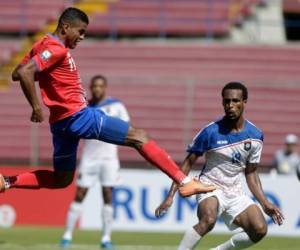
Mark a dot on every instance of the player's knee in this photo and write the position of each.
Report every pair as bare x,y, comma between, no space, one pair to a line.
205,225
80,194
209,221
137,137
107,195
63,183
63,180
141,136
260,232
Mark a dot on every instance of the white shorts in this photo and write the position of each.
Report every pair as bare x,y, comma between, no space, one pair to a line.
229,207
106,171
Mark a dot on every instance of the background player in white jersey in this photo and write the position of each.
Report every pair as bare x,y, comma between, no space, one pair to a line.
287,160
99,162
232,147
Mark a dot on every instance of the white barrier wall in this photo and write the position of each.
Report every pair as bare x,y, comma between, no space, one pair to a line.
142,190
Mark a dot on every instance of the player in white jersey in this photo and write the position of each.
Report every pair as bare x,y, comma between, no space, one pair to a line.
232,148
99,162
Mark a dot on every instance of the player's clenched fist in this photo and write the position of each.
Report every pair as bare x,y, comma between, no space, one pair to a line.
164,206
37,115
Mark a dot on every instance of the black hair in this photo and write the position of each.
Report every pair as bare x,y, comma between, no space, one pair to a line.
236,85
71,15
96,77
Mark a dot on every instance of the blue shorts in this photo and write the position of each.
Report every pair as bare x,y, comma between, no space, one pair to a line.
89,123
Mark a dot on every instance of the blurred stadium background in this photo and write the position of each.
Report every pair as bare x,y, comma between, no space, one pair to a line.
167,60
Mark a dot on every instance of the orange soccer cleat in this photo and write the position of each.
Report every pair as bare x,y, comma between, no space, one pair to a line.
2,184
195,187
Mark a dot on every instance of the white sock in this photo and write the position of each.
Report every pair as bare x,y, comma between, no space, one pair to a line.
186,180
189,240
107,219
238,241
72,217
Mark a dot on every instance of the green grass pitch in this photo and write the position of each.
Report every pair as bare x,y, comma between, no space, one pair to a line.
39,238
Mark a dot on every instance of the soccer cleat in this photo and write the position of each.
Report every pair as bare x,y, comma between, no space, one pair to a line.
195,187
3,184
64,243
107,245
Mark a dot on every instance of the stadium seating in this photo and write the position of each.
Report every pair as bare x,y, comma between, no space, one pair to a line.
174,90
170,18
133,17
27,16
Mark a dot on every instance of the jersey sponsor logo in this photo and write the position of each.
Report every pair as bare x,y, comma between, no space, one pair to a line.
247,145
222,142
46,55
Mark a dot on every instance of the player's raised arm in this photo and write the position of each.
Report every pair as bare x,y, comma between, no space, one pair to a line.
25,74
255,187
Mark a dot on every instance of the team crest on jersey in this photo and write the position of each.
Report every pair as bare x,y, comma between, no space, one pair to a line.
247,145
46,55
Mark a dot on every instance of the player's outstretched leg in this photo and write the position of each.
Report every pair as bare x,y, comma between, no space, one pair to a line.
148,148
119,132
37,179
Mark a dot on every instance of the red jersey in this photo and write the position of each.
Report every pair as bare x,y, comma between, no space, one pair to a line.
58,77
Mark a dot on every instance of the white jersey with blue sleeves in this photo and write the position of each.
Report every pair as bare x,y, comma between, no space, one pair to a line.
227,154
95,150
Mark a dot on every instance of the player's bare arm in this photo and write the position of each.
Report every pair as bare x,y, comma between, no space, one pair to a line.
186,167
15,74
255,187
25,74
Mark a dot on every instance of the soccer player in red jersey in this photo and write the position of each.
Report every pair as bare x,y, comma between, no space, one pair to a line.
50,62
